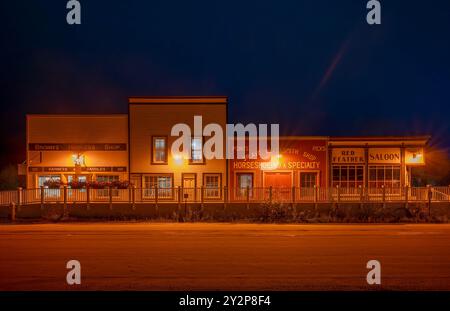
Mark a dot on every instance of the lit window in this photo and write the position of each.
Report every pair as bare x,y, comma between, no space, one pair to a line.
245,180
197,150
106,179
52,184
348,176
162,182
159,150
384,175
212,184
245,183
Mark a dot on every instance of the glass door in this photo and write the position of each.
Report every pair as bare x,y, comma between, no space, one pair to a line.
307,182
189,184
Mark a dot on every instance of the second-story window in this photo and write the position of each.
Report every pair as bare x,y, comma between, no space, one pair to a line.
159,154
197,150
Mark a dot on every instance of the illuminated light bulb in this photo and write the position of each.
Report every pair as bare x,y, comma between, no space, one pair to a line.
177,159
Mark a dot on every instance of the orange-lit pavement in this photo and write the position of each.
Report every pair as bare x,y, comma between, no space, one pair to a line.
159,256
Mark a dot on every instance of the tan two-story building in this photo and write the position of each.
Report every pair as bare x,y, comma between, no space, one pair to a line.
151,161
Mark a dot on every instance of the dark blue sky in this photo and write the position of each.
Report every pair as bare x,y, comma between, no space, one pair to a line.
316,67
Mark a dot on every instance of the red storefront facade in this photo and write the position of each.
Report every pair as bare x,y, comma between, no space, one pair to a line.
302,164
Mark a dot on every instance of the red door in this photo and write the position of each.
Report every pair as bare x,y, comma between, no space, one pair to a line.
281,184
277,180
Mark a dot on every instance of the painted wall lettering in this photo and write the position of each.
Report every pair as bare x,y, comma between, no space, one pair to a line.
384,155
347,156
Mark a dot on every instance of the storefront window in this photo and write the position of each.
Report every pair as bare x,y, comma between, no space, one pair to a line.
308,179
348,176
387,175
162,182
107,179
44,181
212,185
81,179
159,154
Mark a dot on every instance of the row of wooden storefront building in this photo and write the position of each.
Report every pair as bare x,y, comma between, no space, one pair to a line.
135,148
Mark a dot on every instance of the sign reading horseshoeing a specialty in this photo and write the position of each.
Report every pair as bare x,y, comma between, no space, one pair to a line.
347,155
384,155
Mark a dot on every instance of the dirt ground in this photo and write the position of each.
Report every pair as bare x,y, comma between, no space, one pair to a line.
204,256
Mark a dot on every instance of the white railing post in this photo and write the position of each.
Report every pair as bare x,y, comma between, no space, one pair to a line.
430,196
330,194
406,196
315,197
13,211
65,200
88,197
202,198
110,197
180,192
133,196
225,197
338,193
19,196
270,195
247,196
42,197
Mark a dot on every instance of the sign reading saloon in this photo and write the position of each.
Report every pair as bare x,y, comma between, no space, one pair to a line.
384,155
347,156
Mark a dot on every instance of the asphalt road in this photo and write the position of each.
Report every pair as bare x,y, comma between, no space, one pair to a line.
160,256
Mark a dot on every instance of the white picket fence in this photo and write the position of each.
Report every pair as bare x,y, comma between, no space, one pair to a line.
224,194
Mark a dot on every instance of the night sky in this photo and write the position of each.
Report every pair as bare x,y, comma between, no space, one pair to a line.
315,67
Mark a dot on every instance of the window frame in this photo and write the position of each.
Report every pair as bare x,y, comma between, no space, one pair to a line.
387,183
245,173
153,150
50,192
205,189
145,190
104,193
241,192
348,182
191,158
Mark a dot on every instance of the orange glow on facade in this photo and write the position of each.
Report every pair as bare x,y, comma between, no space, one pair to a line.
137,148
